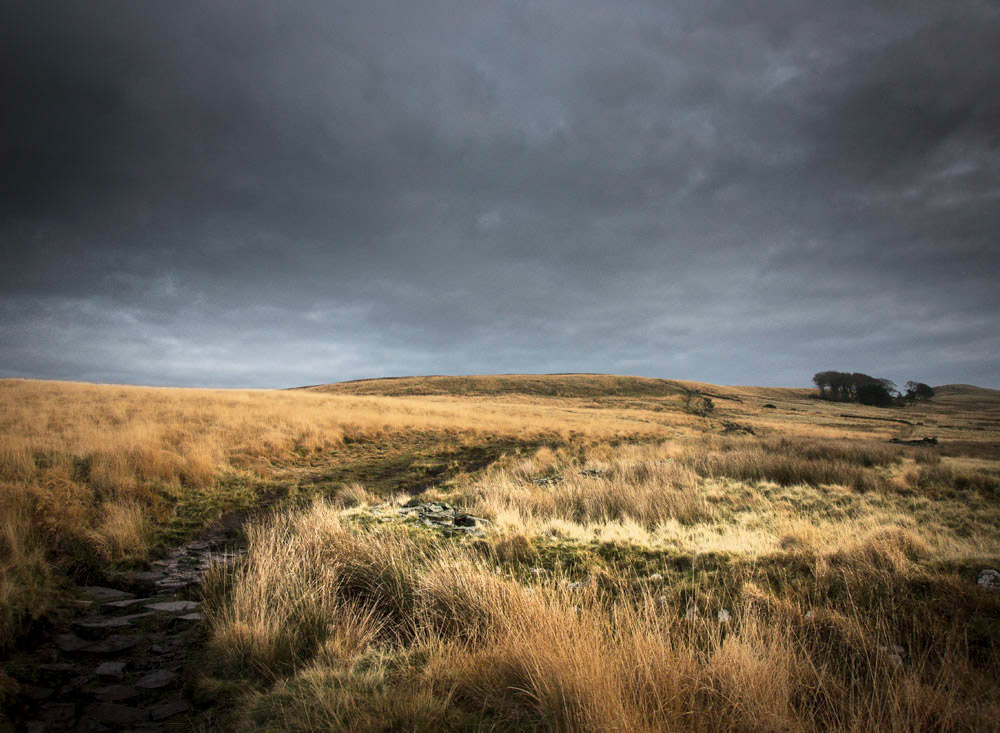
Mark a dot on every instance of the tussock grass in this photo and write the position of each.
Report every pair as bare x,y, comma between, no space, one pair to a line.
122,532
845,566
27,581
789,462
428,637
716,494
633,486
96,469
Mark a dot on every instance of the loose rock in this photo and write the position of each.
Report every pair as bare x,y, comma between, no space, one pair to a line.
114,670
112,645
100,593
169,709
113,714
174,606
116,693
70,643
989,579
128,602
35,692
156,680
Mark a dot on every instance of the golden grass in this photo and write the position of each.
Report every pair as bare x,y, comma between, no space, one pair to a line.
127,437
122,531
493,385
735,495
26,577
592,601
348,629
95,468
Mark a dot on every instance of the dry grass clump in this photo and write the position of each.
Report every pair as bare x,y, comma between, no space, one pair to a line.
97,468
355,495
655,494
788,461
351,629
27,582
845,566
938,476
634,486
123,531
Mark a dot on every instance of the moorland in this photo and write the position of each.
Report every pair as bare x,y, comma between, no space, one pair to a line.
540,552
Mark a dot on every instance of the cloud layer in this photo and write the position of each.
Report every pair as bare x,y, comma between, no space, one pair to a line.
249,194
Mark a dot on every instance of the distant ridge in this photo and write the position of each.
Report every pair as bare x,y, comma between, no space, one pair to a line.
566,384
549,385
969,389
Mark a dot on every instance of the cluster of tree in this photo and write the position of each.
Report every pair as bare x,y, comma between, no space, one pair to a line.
868,390
917,391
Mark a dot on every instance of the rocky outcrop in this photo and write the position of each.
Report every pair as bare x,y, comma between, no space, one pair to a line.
989,579
438,515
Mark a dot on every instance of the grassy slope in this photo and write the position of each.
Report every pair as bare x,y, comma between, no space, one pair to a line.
538,385
847,567
755,508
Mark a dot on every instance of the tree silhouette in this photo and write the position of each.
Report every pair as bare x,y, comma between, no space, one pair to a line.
918,391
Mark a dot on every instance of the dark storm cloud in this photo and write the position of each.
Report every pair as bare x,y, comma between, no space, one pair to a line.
272,194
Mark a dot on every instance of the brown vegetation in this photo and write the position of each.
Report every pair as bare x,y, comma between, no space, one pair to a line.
332,627
643,568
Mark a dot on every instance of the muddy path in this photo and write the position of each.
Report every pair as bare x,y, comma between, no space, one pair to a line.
116,658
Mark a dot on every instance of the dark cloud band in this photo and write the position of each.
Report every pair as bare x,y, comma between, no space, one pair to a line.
271,194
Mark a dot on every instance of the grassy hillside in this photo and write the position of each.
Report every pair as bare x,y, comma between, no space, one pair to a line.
540,385
967,389
772,563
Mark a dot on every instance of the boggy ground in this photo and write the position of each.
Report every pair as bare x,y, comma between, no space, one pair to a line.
771,564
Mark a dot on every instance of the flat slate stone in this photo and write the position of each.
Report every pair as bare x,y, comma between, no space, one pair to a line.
100,593
115,693
128,602
111,645
134,616
110,669
61,669
113,714
156,680
71,643
169,709
174,606
33,692
53,717
89,725
106,622
146,576
76,683
175,585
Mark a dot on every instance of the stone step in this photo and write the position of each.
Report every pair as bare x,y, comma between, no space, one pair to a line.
173,606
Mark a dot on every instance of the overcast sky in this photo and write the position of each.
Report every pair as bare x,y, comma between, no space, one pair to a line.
270,194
